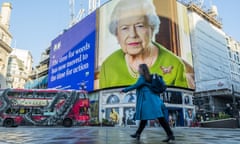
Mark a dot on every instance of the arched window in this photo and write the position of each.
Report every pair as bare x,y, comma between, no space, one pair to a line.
130,98
113,99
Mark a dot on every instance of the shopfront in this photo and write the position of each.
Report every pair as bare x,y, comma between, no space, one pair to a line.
178,102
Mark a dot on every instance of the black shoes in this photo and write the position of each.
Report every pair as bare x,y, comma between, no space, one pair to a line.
137,136
169,138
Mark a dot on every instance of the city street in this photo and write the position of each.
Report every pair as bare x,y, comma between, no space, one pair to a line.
114,135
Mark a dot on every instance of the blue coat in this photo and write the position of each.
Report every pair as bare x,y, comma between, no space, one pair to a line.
149,105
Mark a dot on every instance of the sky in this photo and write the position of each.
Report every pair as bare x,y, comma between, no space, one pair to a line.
35,23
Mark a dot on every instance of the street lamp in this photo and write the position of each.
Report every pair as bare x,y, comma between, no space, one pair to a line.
234,102
37,79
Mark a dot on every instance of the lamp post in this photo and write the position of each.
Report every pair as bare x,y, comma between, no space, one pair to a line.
234,102
37,79
102,110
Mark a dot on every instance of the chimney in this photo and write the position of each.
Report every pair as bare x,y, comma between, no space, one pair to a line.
5,14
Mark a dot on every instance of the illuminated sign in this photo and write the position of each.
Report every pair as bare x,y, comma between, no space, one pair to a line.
72,57
168,53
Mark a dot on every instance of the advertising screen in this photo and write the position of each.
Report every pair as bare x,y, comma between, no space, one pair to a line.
72,56
132,32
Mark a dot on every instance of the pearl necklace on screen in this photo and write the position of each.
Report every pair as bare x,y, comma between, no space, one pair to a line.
131,71
133,67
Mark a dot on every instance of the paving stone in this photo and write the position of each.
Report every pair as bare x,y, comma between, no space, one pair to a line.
115,135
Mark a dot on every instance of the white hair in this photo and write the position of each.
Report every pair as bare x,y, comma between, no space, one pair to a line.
128,6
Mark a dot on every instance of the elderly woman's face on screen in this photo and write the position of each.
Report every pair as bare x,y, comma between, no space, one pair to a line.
133,32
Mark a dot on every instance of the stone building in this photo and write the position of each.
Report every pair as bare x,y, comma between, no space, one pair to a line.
5,41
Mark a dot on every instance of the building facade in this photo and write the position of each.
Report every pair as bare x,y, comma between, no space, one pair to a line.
5,42
39,75
215,72
178,102
19,68
234,58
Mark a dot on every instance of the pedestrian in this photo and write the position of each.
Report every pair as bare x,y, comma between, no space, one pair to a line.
189,117
149,105
124,121
170,119
229,110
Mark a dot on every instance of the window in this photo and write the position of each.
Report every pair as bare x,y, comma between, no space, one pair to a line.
172,97
230,54
14,94
83,110
113,99
130,98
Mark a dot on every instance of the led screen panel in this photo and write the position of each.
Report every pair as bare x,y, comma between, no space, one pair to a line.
72,56
170,55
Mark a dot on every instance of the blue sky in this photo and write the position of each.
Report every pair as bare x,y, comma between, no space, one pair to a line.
35,23
228,11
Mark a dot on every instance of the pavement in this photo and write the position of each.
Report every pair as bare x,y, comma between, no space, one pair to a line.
115,135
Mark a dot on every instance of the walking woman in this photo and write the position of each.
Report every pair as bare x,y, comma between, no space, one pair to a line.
149,106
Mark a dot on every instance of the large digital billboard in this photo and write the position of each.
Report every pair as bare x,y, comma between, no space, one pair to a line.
105,48
132,32
72,56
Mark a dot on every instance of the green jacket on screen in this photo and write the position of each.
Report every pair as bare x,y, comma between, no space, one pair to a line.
114,71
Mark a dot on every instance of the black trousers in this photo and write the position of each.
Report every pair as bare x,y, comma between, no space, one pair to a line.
163,123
